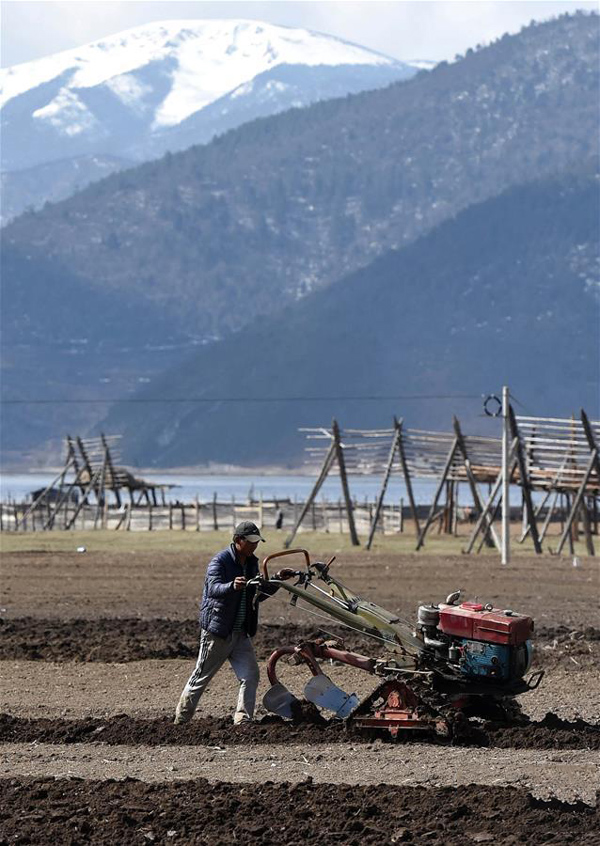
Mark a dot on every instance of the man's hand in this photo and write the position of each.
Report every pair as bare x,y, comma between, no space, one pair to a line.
285,573
239,583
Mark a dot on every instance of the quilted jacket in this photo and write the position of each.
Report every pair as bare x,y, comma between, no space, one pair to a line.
220,601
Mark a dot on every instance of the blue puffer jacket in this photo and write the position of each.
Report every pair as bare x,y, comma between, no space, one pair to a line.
220,601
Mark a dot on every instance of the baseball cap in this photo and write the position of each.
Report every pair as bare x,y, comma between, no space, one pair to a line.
249,531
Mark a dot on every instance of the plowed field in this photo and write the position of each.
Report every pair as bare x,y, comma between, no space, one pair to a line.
94,651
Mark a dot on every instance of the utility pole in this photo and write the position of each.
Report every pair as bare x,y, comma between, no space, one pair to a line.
505,476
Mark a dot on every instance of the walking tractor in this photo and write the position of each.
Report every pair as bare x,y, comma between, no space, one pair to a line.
460,659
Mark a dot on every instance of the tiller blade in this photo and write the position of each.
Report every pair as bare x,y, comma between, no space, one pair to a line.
393,706
323,692
279,700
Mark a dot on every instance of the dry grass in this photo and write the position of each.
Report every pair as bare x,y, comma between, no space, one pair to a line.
207,542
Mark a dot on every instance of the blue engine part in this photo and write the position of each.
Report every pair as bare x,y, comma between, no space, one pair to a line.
492,660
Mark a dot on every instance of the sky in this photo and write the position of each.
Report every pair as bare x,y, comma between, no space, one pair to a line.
404,29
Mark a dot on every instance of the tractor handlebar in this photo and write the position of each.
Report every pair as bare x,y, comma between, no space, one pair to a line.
264,569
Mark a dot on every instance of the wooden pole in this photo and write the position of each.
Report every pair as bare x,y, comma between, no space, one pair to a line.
214,512
111,470
384,484
326,467
549,513
592,443
493,517
587,528
86,461
538,511
505,479
407,478
455,509
122,518
440,487
339,452
491,538
578,498
100,492
448,515
325,519
567,511
40,500
511,463
93,479
525,483
63,498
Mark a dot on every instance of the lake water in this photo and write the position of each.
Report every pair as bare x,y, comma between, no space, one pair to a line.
186,488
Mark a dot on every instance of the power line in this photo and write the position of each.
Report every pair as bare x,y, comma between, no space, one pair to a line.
181,400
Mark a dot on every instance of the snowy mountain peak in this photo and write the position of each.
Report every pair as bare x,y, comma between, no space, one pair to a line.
173,68
164,87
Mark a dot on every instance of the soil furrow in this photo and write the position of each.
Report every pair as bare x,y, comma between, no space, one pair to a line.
131,639
550,733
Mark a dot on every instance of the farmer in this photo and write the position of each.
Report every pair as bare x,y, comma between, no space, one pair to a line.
228,619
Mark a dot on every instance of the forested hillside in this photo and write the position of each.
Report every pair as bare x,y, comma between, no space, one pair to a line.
507,293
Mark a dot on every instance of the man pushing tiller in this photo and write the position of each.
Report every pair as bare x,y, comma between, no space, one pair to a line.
228,621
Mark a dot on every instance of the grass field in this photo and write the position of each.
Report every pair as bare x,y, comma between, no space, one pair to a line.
208,542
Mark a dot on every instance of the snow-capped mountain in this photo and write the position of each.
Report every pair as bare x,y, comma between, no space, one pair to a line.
126,95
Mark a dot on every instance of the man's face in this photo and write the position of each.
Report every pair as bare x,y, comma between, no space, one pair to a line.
245,546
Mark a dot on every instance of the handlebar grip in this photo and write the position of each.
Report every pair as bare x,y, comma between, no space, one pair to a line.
263,567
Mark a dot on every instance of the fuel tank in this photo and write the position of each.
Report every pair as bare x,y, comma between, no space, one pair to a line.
474,621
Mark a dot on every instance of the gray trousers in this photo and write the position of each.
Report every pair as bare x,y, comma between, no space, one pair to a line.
213,652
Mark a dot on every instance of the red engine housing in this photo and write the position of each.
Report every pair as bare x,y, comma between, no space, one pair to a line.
470,620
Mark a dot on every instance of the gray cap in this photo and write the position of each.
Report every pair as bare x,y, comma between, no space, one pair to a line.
249,531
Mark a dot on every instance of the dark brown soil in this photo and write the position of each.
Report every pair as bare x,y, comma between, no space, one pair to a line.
116,609
550,733
132,639
69,812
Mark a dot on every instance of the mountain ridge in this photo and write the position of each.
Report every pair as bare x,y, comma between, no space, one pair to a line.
527,291
291,202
